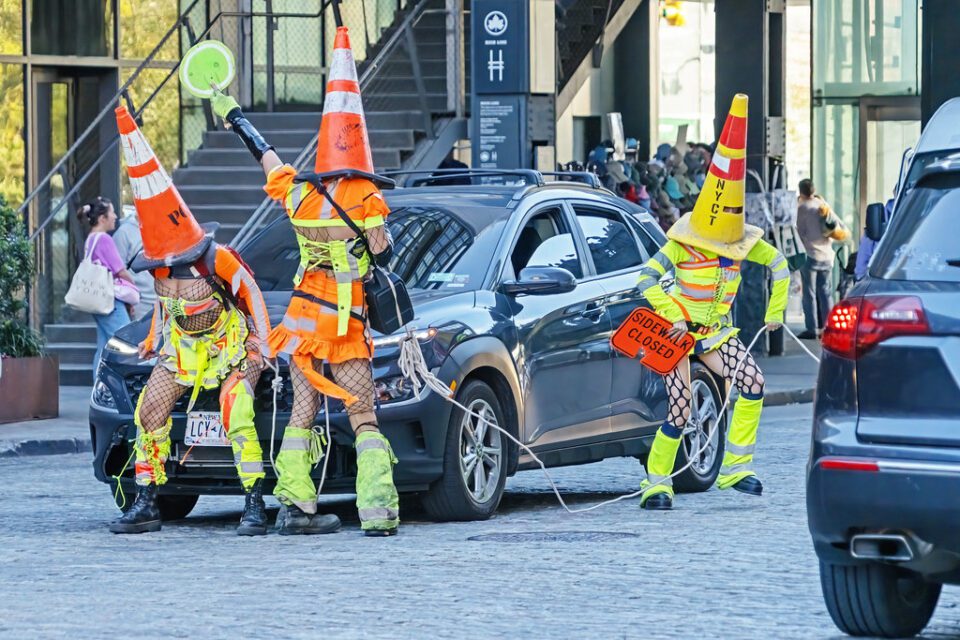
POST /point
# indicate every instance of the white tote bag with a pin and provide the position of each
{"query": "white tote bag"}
(91, 289)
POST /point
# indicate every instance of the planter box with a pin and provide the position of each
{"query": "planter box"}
(29, 389)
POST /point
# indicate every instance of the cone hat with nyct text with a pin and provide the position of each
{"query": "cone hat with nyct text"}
(171, 235)
(717, 221)
(343, 143)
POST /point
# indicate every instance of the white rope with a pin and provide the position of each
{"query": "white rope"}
(800, 342)
(414, 368)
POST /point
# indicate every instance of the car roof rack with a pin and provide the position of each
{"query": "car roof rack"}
(437, 177)
(586, 177)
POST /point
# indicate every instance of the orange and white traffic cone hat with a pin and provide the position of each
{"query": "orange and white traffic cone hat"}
(343, 144)
(171, 235)
(717, 221)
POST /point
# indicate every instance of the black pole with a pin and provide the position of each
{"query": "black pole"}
(337, 18)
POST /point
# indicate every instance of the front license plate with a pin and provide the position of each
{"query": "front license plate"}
(204, 429)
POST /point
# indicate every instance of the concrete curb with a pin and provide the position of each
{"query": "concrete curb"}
(790, 396)
(15, 449)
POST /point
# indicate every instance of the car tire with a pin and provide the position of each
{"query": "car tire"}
(464, 493)
(877, 599)
(707, 401)
(171, 507)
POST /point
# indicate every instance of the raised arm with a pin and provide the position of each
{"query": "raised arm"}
(228, 109)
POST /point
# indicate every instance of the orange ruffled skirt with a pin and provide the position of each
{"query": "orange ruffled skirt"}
(309, 331)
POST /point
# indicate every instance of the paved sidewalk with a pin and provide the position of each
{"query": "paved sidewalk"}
(790, 379)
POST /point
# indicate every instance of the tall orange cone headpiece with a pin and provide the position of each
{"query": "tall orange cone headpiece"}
(171, 235)
(717, 220)
(343, 143)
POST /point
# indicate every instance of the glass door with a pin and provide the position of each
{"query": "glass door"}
(889, 127)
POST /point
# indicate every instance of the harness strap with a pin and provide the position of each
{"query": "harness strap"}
(327, 304)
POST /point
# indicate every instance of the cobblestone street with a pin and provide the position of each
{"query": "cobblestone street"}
(722, 565)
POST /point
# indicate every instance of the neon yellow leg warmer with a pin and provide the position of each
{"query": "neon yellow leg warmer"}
(152, 449)
(663, 456)
(377, 499)
(236, 409)
(741, 442)
(300, 451)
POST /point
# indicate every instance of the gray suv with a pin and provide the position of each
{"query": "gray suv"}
(884, 470)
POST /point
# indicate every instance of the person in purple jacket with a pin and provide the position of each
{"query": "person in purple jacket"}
(102, 219)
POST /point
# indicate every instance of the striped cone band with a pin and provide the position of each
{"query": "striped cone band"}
(729, 159)
(166, 223)
(343, 141)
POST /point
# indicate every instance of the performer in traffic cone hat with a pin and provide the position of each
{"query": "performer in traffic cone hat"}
(326, 320)
(209, 330)
(705, 250)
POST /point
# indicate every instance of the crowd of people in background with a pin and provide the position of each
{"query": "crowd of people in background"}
(667, 184)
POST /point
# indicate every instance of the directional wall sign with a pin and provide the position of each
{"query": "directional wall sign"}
(500, 35)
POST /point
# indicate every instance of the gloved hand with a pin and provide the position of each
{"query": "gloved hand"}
(223, 104)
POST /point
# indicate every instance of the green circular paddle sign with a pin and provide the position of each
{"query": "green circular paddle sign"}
(207, 63)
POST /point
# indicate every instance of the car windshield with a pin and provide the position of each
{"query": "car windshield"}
(921, 243)
(434, 248)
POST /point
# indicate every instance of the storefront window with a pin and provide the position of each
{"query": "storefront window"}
(12, 155)
(143, 23)
(71, 27)
(11, 27)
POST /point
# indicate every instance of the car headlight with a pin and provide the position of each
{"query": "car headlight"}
(122, 347)
(424, 335)
(102, 397)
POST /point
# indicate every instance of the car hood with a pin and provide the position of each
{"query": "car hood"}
(430, 307)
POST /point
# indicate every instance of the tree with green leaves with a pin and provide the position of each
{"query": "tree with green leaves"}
(17, 339)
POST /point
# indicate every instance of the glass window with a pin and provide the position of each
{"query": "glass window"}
(11, 133)
(74, 27)
(863, 47)
(544, 243)
(557, 251)
(836, 145)
(11, 27)
(611, 244)
(922, 242)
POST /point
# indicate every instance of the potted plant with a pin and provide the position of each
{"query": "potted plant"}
(29, 381)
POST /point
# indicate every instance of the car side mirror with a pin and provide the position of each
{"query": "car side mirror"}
(876, 221)
(541, 281)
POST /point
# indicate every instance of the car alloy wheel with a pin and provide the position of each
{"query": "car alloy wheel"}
(702, 429)
(481, 451)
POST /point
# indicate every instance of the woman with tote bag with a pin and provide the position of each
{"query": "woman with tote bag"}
(101, 249)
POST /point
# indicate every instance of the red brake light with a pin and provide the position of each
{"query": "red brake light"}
(841, 464)
(857, 325)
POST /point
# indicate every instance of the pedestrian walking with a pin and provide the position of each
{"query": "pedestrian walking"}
(100, 247)
(130, 244)
(818, 226)
(705, 251)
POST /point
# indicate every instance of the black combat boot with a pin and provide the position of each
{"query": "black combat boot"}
(143, 516)
(293, 521)
(750, 485)
(253, 522)
(658, 502)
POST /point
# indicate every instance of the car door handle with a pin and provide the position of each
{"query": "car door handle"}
(593, 310)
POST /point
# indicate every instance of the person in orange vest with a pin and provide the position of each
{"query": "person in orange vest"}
(209, 330)
(326, 321)
(705, 250)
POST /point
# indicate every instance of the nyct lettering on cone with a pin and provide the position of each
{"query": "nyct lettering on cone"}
(171, 235)
(717, 220)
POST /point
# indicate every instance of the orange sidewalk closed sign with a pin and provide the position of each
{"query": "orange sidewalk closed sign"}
(646, 332)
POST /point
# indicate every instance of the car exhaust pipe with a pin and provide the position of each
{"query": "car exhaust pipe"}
(888, 547)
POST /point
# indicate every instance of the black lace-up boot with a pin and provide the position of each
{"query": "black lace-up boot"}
(143, 516)
(253, 522)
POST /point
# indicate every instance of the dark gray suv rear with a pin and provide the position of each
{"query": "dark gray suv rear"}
(884, 471)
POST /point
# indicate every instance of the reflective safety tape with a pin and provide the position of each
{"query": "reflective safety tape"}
(741, 449)
(697, 292)
(781, 274)
(250, 467)
(663, 481)
(136, 150)
(378, 513)
(646, 283)
(778, 263)
(295, 443)
(343, 102)
(734, 469)
(150, 185)
(343, 66)
(372, 443)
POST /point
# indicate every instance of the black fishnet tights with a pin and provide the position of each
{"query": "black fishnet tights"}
(158, 398)
(356, 376)
(191, 291)
(678, 395)
(749, 378)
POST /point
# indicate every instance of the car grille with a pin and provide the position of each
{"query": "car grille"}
(208, 400)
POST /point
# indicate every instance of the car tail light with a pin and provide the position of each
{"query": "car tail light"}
(856, 325)
(843, 464)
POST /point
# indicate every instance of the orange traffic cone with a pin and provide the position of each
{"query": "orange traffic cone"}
(343, 143)
(171, 235)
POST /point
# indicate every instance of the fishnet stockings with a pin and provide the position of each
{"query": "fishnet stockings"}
(159, 396)
(749, 378)
(356, 376)
(191, 290)
(678, 395)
